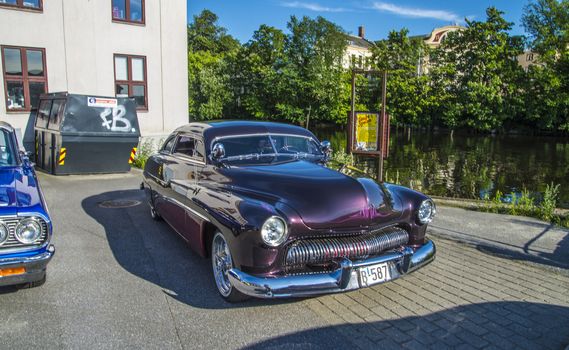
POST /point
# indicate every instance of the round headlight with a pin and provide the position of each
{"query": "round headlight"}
(28, 231)
(426, 212)
(4, 233)
(273, 231)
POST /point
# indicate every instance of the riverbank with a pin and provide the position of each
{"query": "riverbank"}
(561, 216)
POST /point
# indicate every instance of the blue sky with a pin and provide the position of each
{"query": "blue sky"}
(243, 17)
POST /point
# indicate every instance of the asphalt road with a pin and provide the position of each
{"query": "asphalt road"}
(121, 280)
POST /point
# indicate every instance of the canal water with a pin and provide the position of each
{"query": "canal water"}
(470, 166)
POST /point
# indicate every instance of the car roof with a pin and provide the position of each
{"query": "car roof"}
(7, 126)
(213, 129)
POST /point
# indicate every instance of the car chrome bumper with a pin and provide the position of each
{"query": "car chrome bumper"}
(35, 267)
(343, 279)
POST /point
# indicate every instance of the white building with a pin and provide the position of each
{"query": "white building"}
(95, 47)
(358, 52)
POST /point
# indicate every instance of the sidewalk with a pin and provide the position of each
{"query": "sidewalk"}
(516, 237)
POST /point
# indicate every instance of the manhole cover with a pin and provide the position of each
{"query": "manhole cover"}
(121, 203)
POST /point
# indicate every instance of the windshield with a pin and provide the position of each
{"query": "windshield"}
(269, 148)
(7, 151)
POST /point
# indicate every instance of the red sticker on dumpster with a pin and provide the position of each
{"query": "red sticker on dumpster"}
(101, 102)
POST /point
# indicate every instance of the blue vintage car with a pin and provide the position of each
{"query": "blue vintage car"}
(25, 226)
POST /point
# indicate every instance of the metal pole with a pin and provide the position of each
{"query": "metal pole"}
(352, 115)
(383, 126)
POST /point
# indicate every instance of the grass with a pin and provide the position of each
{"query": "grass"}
(543, 208)
(144, 151)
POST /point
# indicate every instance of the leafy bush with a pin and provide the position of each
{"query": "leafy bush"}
(145, 149)
(549, 201)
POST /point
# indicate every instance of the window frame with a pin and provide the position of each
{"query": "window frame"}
(20, 6)
(129, 82)
(25, 79)
(164, 150)
(127, 19)
(197, 140)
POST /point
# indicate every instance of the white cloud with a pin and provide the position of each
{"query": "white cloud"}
(313, 6)
(416, 12)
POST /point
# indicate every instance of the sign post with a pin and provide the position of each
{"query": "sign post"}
(368, 132)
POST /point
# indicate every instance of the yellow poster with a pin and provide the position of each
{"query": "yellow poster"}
(366, 131)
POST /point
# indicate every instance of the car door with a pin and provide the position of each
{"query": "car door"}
(189, 152)
(159, 168)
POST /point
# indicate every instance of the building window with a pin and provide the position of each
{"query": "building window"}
(130, 79)
(131, 11)
(35, 5)
(25, 77)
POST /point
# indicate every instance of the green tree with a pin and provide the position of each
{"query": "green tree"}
(211, 94)
(478, 70)
(315, 86)
(257, 73)
(409, 94)
(204, 34)
(547, 89)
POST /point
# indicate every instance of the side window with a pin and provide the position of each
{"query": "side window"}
(189, 146)
(169, 144)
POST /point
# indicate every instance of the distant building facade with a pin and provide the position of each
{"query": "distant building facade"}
(433, 41)
(358, 52)
(527, 59)
(135, 48)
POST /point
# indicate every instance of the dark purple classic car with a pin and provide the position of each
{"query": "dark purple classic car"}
(259, 199)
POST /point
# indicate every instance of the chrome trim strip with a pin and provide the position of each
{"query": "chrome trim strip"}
(193, 211)
(342, 279)
(187, 158)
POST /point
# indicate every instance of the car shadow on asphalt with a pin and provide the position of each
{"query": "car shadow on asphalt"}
(153, 251)
(505, 324)
(556, 259)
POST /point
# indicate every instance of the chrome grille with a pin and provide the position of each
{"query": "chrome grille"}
(12, 242)
(322, 250)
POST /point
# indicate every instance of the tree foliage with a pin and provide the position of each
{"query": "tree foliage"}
(547, 23)
(472, 80)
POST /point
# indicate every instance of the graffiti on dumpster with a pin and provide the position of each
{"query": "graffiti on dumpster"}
(116, 122)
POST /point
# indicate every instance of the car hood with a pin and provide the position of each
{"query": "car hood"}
(324, 198)
(18, 188)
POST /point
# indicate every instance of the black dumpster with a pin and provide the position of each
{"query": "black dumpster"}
(80, 134)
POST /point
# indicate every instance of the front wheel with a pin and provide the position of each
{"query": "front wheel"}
(222, 262)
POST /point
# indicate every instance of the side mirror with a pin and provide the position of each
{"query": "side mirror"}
(25, 155)
(218, 151)
(326, 148)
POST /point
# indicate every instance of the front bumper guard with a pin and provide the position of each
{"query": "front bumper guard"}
(344, 278)
(35, 267)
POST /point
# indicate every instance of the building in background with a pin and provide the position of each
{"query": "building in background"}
(358, 51)
(433, 40)
(134, 48)
(527, 59)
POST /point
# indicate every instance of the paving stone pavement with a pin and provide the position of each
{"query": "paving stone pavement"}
(465, 299)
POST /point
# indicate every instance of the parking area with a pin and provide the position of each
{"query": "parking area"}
(121, 280)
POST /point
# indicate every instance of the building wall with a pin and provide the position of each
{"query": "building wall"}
(356, 52)
(80, 38)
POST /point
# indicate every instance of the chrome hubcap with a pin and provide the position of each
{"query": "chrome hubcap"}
(222, 263)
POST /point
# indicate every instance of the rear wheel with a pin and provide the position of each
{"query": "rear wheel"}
(222, 262)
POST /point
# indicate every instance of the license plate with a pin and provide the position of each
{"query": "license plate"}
(374, 274)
